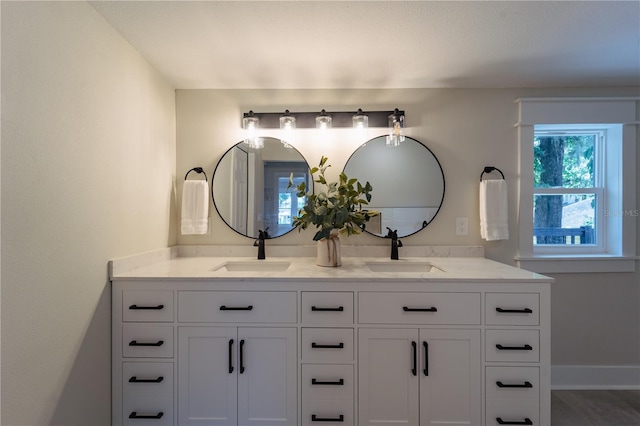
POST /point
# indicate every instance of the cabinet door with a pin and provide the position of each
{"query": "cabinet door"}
(207, 376)
(450, 377)
(388, 382)
(267, 376)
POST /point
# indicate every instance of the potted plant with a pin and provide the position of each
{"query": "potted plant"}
(336, 210)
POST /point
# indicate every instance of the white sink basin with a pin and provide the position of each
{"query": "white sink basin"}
(253, 266)
(400, 266)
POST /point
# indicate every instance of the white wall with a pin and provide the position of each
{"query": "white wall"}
(595, 317)
(88, 164)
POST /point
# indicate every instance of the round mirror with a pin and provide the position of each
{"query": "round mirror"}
(249, 187)
(407, 180)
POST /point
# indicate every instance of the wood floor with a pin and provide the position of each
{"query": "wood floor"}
(595, 408)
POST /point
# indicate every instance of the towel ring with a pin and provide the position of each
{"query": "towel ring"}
(489, 169)
(197, 170)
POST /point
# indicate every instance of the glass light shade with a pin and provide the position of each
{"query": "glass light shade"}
(250, 125)
(396, 129)
(360, 120)
(323, 121)
(287, 126)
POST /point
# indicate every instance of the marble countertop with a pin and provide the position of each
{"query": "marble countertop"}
(197, 264)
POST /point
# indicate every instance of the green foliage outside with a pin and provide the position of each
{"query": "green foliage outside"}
(577, 160)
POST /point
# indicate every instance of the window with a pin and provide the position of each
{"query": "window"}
(568, 189)
(577, 208)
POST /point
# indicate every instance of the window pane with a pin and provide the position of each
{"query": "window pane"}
(564, 160)
(564, 219)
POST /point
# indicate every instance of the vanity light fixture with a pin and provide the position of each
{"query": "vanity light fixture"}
(250, 124)
(396, 128)
(326, 119)
(360, 120)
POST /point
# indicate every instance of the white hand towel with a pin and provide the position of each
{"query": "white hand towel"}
(494, 214)
(195, 207)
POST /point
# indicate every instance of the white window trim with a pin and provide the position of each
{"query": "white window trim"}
(619, 253)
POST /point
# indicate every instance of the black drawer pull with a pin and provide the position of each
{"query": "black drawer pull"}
(514, 348)
(155, 308)
(425, 345)
(514, 385)
(338, 309)
(136, 343)
(236, 308)
(324, 382)
(526, 421)
(135, 415)
(514, 311)
(242, 356)
(414, 369)
(134, 379)
(230, 356)
(431, 309)
(315, 345)
(315, 418)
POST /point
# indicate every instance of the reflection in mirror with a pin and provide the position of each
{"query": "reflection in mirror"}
(407, 180)
(249, 187)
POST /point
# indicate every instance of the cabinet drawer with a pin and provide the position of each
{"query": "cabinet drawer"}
(327, 307)
(147, 379)
(327, 381)
(327, 412)
(513, 413)
(154, 341)
(513, 383)
(512, 309)
(512, 345)
(327, 344)
(148, 411)
(418, 308)
(237, 306)
(147, 306)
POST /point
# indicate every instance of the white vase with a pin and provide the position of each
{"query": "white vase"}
(329, 251)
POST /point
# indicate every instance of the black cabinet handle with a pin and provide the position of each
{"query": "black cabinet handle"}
(158, 307)
(315, 345)
(431, 309)
(526, 421)
(514, 348)
(324, 382)
(135, 415)
(236, 308)
(514, 311)
(315, 418)
(136, 343)
(425, 346)
(134, 379)
(414, 347)
(514, 385)
(317, 309)
(230, 356)
(241, 356)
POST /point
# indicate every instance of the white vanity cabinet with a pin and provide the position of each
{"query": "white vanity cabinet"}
(331, 351)
(237, 376)
(416, 375)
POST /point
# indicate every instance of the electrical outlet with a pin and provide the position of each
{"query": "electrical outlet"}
(462, 226)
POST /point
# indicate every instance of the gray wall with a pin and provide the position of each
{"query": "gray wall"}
(88, 162)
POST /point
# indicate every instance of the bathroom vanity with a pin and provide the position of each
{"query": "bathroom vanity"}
(228, 340)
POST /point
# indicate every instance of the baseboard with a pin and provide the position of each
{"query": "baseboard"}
(595, 377)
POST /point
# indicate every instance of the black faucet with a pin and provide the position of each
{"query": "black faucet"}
(262, 235)
(395, 243)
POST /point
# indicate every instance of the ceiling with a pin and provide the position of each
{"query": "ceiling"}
(383, 44)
